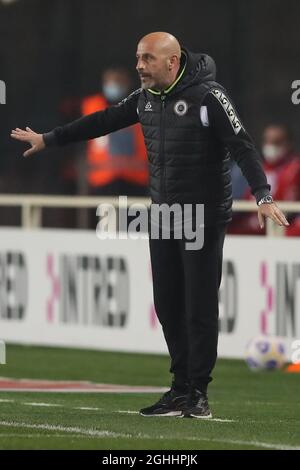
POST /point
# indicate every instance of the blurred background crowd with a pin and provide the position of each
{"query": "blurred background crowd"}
(62, 59)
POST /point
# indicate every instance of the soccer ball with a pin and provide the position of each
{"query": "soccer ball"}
(265, 353)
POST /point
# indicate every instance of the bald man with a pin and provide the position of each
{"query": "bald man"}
(189, 124)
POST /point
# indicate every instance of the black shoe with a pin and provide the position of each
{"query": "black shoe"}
(171, 403)
(197, 405)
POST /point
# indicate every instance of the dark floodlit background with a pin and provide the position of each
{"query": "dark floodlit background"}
(52, 53)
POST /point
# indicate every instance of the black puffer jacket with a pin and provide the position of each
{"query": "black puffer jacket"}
(187, 163)
(188, 160)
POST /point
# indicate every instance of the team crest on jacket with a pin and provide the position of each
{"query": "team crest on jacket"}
(181, 107)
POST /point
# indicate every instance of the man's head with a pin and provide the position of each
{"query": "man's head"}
(158, 60)
(115, 84)
(277, 143)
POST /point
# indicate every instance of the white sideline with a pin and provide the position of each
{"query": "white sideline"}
(66, 429)
(94, 433)
(39, 404)
(86, 408)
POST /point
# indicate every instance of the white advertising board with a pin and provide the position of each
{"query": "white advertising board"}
(68, 288)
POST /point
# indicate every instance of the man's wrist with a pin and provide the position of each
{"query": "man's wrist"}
(265, 200)
(49, 139)
(261, 193)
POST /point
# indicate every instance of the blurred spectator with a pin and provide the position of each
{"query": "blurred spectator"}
(116, 163)
(282, 168)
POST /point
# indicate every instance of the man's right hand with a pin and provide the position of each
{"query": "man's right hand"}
(35, 140)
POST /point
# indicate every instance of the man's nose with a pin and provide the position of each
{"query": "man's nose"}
(139, 66)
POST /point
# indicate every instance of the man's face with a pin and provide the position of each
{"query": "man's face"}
(152, 67)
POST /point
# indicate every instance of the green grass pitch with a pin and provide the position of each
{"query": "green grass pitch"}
(252, 410)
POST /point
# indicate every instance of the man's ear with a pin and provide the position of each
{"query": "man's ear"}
(173, 61)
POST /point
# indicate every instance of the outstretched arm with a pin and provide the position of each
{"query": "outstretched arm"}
(88, 127)
(229, 129)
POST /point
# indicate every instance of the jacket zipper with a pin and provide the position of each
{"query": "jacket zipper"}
(161, 145)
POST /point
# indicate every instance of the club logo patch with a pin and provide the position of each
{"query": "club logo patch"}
(181, 108)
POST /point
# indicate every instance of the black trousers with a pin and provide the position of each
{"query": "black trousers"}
(185, 290)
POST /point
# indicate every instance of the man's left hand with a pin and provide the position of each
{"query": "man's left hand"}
(272, 211)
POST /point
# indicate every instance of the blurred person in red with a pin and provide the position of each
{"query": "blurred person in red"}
(282, 168)
(116, 164)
